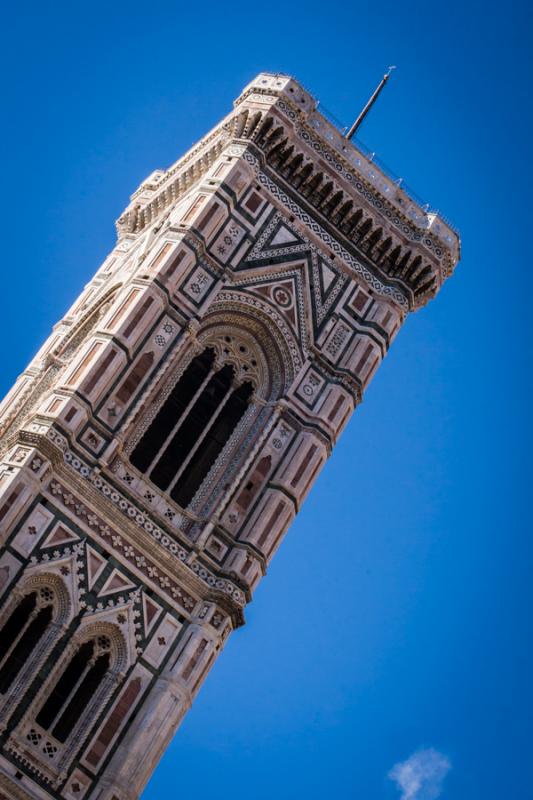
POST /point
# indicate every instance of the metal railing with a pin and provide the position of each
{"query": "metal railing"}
(374, 159)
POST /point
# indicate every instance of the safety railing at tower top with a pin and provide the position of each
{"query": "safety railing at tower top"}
(371, 156)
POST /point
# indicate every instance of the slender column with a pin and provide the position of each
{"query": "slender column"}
(20, 634)
(206, 430)
(182, 416)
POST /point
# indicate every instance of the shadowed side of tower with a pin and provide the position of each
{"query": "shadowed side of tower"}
(157, 448)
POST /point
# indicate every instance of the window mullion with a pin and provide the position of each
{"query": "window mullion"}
(180, 419)
(29, 620)
(201, 438)
(68, 698)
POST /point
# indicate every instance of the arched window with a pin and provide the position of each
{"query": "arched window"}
(22, 631)
(75, 687)
(192, 427)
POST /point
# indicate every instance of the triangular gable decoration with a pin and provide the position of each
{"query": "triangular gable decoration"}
(328, 282)
(116, 583)
(283, 236)
(151, 611)
(60, 535)
(327, 276)
(277, 239)
(283, 293)
(95, 566)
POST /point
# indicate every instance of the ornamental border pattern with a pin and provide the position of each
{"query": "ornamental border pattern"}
(229, 295)
(357, 267)
(358, 181)
(131, 511)
(306, 248)
(130, 553)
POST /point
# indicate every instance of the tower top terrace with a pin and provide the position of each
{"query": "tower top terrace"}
(366, 210)
(364, 162)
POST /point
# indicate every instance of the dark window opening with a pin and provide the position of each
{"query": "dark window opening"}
(64, 686)
(32, 623)
(16, 621)
(81, 697)
(180, 397)
(192, 428)
(74, 689)
(210, 448)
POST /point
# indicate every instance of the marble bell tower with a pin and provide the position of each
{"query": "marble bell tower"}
(159, 445)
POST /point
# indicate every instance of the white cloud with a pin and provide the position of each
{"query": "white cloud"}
(422, 775)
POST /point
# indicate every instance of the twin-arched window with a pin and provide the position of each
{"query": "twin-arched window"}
(69, 694)
(75, 687)
(192, 427)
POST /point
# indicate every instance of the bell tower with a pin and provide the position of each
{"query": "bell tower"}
(158, 446)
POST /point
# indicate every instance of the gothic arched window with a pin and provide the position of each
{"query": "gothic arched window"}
(22, 631)
(192, 427)
(75, 687)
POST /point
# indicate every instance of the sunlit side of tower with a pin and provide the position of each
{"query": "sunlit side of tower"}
(160, 443)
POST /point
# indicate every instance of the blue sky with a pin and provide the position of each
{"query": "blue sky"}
(396, 616)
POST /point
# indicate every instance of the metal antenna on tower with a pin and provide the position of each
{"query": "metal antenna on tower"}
(369, 105)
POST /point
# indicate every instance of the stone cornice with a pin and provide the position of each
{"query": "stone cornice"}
(147, 205)
(299, 107)
(413, 265)
(311, 156)
(344, 156)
